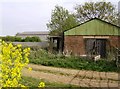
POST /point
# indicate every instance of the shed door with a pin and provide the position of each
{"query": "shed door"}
(101, 47)
(96, 47)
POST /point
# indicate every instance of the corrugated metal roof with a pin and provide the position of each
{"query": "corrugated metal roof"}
(34, 33)
(94, 27)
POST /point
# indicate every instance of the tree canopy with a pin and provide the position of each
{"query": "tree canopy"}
(103, 10)
(62, 19)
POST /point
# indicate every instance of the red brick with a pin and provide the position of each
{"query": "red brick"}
(77, 46)
(74, 44)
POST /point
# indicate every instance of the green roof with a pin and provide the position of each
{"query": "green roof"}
(94, 27)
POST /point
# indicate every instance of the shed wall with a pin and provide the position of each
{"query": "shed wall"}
(115, 41)
(76, 44)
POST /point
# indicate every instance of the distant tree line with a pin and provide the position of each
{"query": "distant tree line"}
(19, 39)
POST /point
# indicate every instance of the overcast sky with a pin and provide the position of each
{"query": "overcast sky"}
(31, 15)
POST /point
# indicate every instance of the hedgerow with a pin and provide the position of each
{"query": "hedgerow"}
(19, 39)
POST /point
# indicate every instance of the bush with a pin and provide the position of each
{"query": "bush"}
(11, 38)
(45, 58)
(27, 39)
(8, 38)
(35, 39)
(18, 39)
(32, 39)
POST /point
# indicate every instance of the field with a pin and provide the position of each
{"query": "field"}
(65, 77)
(57, 70)
(83, 72)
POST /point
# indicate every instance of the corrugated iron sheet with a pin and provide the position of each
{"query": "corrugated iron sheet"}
(94, 27)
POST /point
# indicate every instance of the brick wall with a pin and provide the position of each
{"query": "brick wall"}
(115, 41)
(74, 44)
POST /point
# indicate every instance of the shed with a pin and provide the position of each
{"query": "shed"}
(93, 37)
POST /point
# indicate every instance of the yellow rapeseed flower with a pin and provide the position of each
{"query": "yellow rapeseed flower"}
(28, 48)
(30, 69)
(8, 82)
(10, 45)
(12, 59)
(19, 45)
(41, 84)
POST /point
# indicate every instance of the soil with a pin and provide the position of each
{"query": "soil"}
(81, 78)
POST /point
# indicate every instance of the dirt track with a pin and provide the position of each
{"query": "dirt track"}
(71, 76)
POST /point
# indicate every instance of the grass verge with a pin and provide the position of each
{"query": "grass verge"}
(32, 82)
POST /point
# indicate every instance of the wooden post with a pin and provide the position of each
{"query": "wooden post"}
(60, 45)
(51, 44)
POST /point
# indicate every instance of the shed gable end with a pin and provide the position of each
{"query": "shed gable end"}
(94, 27)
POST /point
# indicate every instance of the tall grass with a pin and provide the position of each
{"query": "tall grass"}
(45, 58)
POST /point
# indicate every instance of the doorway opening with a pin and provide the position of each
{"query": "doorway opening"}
(95, 47)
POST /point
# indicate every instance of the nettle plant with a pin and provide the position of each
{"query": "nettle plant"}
(12, 61)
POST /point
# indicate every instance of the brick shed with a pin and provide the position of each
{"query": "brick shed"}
(95, 37)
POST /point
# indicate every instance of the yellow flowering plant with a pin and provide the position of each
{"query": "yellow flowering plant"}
(12, 61)
(41, 84)
(30, 69)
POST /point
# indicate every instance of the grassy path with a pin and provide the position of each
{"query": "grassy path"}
(71, 76)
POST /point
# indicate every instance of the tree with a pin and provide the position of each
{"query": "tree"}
(61, 20)
(102, 10)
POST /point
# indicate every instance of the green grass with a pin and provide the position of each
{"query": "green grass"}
(44, 58)
(32, 82)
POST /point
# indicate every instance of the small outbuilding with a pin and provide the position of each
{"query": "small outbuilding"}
(94, 37)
